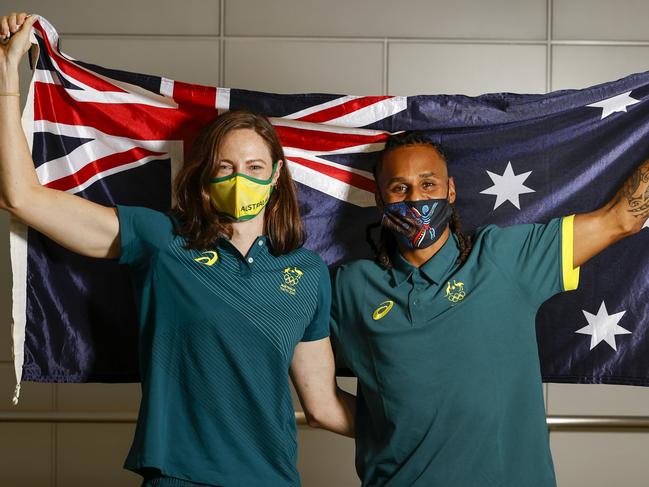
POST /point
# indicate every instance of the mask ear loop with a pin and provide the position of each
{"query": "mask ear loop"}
(272, 175)
(274, 185)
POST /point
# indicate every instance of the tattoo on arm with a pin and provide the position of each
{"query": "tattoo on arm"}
(635, 192)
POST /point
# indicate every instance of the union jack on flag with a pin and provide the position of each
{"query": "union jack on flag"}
(118, 137)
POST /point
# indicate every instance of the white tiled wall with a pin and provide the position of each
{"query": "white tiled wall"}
(601, 459)
(470, 69)
(27, 454)
(92, 454)
(600, 20)
(470, 19)
(579, 66)
(339, 46)
(188, 18)
(190, 59)
(297, 66)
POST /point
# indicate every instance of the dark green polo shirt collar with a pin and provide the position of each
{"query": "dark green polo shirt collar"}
(260, 243)
(435, 269)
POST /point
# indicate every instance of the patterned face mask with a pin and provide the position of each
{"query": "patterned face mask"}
(240, 196)
(417, 224)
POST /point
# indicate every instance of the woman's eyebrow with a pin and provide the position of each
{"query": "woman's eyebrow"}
(248, 161)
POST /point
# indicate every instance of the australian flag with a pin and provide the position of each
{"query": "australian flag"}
(118, 137)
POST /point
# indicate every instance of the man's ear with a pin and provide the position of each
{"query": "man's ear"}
(278, 169)
(451, 190)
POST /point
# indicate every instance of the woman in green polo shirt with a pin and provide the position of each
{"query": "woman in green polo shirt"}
(228, 299)
(440, 329)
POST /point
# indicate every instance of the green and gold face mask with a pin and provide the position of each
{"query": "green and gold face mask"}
(241, 196)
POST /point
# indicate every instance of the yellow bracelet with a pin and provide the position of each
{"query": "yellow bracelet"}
(9, 94)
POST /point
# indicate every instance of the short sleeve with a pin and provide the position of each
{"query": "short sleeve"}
(142, 232)
(319, 326)
(342, 365)
(539, 257)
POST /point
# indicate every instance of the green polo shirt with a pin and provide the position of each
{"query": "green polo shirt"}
(217, 332)
(449, 383)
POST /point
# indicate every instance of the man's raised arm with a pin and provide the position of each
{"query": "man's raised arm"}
(624, 215)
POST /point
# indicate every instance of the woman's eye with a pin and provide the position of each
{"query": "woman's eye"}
(223, 170)
(256, 167)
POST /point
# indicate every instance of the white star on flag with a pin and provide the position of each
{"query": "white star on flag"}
(508, 187)
(615, 104)
(603, 327)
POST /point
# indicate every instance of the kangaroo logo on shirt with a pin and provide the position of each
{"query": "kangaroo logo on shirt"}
(382, 310)
(292, 276)
(455, 292)
(208, 260)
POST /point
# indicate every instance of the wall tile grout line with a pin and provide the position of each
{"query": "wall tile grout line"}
(498, 40)
(386, 47)
(369, 40)
(548, 48)
(136, 36)
(548, 88)
(221, 80)
(54, 456)
(54, 436)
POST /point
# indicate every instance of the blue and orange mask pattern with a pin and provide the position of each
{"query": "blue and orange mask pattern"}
(417, 224)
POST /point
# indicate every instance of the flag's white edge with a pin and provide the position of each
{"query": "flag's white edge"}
(18, 251)
(18, 245)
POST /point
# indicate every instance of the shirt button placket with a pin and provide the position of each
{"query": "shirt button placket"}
(416, 302)
(411, 299)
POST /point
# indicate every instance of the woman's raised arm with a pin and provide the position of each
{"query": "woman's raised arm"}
(77, 224)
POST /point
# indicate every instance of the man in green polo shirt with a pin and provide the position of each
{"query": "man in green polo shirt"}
(440, 329)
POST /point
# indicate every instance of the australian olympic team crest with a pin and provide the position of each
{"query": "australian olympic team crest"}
(292, 276)
(455, 292)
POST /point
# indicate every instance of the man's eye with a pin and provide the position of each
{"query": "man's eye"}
(399, 189)
(428, 185)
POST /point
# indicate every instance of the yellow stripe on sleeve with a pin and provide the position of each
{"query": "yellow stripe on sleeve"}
(570, 274)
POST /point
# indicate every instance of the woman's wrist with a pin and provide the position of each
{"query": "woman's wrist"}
(9, 82)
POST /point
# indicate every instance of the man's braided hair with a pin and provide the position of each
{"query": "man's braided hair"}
(387, 242)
